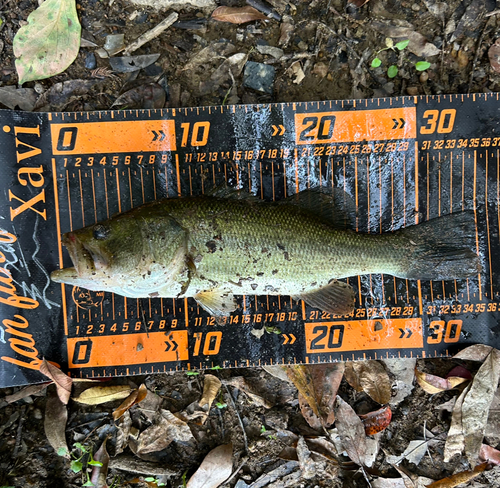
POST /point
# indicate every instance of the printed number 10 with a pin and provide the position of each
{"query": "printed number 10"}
(199, 133)
(210, 341)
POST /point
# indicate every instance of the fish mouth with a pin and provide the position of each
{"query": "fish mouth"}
(86, 261)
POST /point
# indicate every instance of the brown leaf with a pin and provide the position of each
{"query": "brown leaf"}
(455, 439)
(215, 468)
(63, 381)
(433, 384)
(99, 473)
(457, 479)
(418, 45)
(165, 429)
(318, 384)
(250, 390)
(103, 394)
(494, 56)
(211, 387)
(25, 392)
(237, 15)
(489, 454)
(477, 404)
(56, 416)
(477, 352)
(376, 421)
(135, 397)
(370, 377)
(351, 431)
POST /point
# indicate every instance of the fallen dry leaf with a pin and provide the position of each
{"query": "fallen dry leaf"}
(455, 439)
(494, 56)
(103, 394)
(318, 384)
(418, 45)
(49, 42)
(351, 431)
(99, 473)
(489, 454)
(372, 378)
(26, 391)
(56, 416)
(459, 478)
(237, 15)
(250, 389)
(477, 352)
(376, 421)
(165, 429)
(477, 404)
(63, 381)
(135, 397)
(433, 384)
(414, 452)
(215, 468)
(211, 387)
(358, 3)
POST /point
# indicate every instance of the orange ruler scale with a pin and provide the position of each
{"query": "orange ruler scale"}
(401, 160)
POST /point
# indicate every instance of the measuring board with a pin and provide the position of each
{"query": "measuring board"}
(401, 160)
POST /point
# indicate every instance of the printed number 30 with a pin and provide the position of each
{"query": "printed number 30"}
(444, 120)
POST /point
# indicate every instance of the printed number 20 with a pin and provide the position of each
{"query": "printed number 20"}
(442, 119)
(324, 130)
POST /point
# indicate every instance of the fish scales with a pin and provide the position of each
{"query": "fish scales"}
(212, 248)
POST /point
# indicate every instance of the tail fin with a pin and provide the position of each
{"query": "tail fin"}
(441, 248)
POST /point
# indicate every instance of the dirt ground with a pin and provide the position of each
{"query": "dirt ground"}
(322, 50)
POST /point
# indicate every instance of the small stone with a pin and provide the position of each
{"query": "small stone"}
(415, 7)
(90, 61)
(424, 76)
(302, 46)
(39, 88)
(259, 77)
(275, 52)
(412, 90)
(37, 414)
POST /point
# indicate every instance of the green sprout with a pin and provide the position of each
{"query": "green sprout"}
(422, 65)
(151, 479)
(221, 405)
(192, 373)
(215, 367)
(76, 464)
(392, 71)
(263, 430)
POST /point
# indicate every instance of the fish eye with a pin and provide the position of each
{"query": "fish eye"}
(100, 232)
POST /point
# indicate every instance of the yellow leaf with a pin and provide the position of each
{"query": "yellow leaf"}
(103, 394)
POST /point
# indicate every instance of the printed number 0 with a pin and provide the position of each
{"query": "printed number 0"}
(444, 120)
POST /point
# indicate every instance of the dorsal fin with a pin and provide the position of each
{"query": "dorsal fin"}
(333, 205)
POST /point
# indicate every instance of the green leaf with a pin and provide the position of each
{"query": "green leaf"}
(216, 367)
(422, 65)
(50, 41)
(150, 479)
(376, 62)
(88, 483)
(402, 44)
(192, 373)
(392, 71)
(76, 466)
(94, 463)
(221, 405)
(80, 446)
(62, 451)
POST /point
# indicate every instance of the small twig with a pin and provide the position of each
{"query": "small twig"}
(476, 54)
(245, 440)
(19, 434)
(236, 471)
(151, 34)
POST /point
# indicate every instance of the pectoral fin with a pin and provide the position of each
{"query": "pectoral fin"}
(216, 302)
(337, 298)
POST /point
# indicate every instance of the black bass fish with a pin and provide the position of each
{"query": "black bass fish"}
(212, 248)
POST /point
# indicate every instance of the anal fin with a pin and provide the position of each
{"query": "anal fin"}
(217, 302)
(337, 298)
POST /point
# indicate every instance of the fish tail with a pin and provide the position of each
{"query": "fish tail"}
(441, 248)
